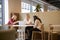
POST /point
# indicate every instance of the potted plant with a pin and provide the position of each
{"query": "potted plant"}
(37, 8)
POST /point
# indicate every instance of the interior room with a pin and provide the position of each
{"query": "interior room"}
(29, 20)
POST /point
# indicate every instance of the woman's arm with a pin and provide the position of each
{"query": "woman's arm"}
(36, 23)
(15, 22)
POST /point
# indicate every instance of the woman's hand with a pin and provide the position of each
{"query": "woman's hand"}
(15, 22)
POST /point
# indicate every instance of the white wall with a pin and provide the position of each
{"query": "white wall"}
(52, 17)
(14, 6)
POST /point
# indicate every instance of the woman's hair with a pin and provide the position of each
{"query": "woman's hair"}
(17, 14)
(28, 15)
(35, 17)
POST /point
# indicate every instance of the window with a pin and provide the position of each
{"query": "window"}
(0, 12)
(6, 11)
(27, 8)
(33, 9)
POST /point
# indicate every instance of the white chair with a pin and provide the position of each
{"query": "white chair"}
(54, 31)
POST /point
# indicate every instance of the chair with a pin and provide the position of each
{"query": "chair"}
(7, 34)
(45, 35)
(54, 32)
(38, 35)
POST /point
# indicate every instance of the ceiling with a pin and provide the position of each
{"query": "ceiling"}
(55, 3)
(46, 2)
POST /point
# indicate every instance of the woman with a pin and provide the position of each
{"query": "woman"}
(38, 23)
(28, 29)
(27, 20)
(12, 20)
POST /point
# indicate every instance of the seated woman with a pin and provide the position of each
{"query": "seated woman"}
(13, 20)
(38, 24)
(27, 19)
(28, 29)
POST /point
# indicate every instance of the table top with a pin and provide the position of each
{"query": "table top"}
(22, 25)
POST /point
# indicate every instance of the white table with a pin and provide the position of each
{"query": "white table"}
(22, 31)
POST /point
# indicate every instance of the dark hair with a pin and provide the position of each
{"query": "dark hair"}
(35, 17)
(17, 14)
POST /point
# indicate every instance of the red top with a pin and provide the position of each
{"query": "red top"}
(11, 21)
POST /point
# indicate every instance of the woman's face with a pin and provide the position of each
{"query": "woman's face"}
(28, 17)
(14, 17)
